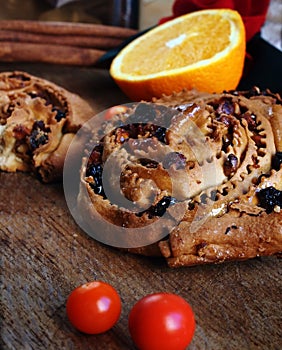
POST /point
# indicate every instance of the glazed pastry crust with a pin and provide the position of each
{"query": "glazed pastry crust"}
(221, 216)
(245, 231)
(38, 121)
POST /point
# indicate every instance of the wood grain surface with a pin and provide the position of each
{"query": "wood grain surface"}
(44, 255)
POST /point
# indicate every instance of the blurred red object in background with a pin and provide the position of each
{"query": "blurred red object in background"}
(253, 12)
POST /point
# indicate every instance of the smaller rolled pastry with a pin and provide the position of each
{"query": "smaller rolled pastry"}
(38, 120)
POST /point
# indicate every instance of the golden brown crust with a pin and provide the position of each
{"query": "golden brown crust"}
(245, 231)
(38, 121)
(217, 157)
(230, 237)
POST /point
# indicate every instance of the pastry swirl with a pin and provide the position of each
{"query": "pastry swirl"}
(207, 165)
(38, 120)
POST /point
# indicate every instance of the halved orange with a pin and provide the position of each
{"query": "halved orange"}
(202, 50)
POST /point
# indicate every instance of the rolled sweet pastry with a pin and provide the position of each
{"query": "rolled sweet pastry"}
(194, 178)
(38, 120)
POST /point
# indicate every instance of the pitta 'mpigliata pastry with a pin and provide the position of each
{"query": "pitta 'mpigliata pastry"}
(38, 120)
(207, 166)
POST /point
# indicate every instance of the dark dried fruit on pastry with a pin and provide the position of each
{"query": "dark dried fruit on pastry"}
(207, 167)
(38, 120)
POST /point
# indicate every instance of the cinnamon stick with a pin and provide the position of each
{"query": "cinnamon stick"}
(48, 53)
(96, 42)
(66, 28)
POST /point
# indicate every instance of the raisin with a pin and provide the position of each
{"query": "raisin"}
(204, 198)
(175, 159)
(39, 124)
(39, 135)
(160, 208)
(37, 139)
(96, 155)
(269, 197)
(277, 161)
(226, 107)
(230, 165)
(250, 119)
(59, 114)
(213, 195)
(160, 134)
(96, 171)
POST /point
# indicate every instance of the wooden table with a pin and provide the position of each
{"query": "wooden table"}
(44, 255)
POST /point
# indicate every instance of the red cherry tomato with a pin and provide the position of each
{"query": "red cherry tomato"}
(93, 307)
(161, 321)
